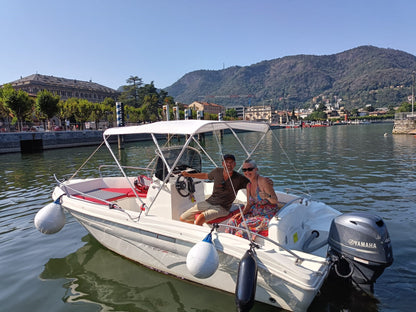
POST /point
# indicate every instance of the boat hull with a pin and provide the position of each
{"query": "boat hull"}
(163, 245)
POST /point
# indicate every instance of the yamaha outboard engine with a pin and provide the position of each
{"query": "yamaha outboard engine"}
(360, 248)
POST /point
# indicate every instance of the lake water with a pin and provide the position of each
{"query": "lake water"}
(352, 168)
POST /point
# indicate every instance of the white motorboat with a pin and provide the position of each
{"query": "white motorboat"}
(138, 218)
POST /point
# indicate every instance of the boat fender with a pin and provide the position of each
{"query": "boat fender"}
(50, 219)
(245, 290)
(202, 259)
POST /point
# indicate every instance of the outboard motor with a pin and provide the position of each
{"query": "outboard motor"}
(360, 248)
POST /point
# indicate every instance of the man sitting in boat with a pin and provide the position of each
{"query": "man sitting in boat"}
(227, 183)
(261, 204)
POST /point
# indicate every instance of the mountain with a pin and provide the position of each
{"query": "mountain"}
(360, 76)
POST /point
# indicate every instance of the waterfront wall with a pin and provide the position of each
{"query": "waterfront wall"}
(30, 142)
(404, 123)
(38, 141)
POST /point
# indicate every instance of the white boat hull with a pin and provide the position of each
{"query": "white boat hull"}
(138, 218)
(163, 245)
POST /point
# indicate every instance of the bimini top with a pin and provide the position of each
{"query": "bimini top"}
(189, 127)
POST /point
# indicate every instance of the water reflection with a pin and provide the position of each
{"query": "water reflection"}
(94, 275)
(100, 277)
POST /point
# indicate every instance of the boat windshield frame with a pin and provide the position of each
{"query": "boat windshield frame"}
(189, 128)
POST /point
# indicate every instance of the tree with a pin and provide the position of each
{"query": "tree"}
(67, 109)
(133, 114)
(150, 108)
(130, 93)
(317, 115)
(18, 103)
(47, 104)
(354, 112)
(3, 110)
(370, 108)
(83, 111)
(405, 107)
(231, 112)
(294, 117)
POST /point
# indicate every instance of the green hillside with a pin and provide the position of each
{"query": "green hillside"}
(360, 76)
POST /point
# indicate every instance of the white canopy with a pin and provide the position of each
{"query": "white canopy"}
(188, 127)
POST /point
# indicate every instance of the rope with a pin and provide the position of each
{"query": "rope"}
(76, 172)
(291, 163)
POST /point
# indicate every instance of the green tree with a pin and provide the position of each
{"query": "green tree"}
(80, 110)
(98, 113)
(67, 109)
(83, 112)
(18, 103)
(405, 107)
(150, 108)
(47, 104)
(354, 112)
(109, 105)
(3, 111)
(317, 115)
(133, 114)
(370, 108)
(231, 112)
(130, 93)
(294, 117)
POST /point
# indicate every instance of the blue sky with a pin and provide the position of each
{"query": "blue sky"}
(162, 40)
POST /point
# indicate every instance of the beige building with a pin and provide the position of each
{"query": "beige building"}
(65, 88)
(259, 113)
(207, 108)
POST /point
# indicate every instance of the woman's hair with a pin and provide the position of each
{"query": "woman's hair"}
(251, 162)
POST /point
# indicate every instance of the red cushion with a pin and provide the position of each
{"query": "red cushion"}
(127, 192)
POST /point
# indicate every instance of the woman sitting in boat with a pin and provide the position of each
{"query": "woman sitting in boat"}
(261, 203)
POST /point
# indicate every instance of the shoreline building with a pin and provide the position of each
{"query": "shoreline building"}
(207, 108)
(65, 88)
(259, 113)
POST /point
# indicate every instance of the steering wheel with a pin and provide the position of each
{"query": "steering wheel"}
(185, 186)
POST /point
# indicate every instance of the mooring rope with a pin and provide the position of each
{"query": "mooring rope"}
(76, 172)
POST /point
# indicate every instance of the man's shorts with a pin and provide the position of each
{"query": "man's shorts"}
(210, 211)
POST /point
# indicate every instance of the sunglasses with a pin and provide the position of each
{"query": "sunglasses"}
(247, 169)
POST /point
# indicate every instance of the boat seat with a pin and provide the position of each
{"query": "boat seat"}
(99, 196)
(222, 219)
(234, 209)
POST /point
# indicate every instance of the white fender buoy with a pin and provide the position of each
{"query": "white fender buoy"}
(50, 219)
(202, 260)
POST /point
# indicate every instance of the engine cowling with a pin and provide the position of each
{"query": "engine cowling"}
(360, 248)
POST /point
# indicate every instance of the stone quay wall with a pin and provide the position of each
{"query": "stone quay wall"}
(29, 142)
(404, 123)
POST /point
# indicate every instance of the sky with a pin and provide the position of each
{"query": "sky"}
(162, 40)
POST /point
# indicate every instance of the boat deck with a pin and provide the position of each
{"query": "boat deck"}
(104, 195)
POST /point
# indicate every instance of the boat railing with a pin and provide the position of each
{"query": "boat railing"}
(67, 190)
(303, 198)
(298, 258)
(148, 170)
